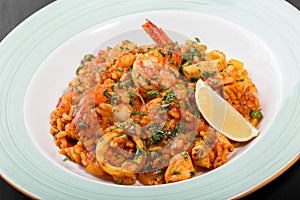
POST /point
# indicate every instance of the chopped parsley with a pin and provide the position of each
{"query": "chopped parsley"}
(138, 113)
(206, 75)
(148, 81)
(171, 96)
(185, 156)
(88, 57)
(192, 173)
(175, 172)
(66, 158)
(152, 94)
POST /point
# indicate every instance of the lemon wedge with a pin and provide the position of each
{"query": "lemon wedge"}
(222, 116)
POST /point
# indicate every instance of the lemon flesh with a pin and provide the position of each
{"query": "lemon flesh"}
(221, 115)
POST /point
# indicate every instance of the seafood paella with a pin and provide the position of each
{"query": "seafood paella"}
(130, 112)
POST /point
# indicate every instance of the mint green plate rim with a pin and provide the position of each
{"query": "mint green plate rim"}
(25, 48)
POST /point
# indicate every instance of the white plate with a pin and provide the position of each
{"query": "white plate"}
(41, 56)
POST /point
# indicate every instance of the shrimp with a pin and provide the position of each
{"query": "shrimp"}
(128, 100)
(157, 34)
(157, 69)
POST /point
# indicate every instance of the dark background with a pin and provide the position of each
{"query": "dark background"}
(13, 12)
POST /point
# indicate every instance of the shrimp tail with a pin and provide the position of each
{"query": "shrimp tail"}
(157, 34)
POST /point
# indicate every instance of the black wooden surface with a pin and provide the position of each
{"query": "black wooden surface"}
(13, 12)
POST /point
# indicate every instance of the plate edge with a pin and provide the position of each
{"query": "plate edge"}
(269, 179)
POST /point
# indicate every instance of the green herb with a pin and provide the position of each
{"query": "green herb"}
(171, 96)
(131, 102)
(148, 81)
(198, 149)
(121, 125)
(185, 156)
(81, 66)
(157, 138)
(178, 128)
(106, 93)
(170, 54)
(140, 100)
(240, 80)
(127, 83)
(184, 62)
(139, 152)
(163, 87)
(256, 114)
(136, 121)
(88, 57)
(138, 113)
(92, 104)
(66, 158)
(215, 82)
(192, 173)
(172, 71)
(194, 79)
(131, 94)
(162, 53)
(156, 154)
(119, 85)
(113, 88)
(206, 75)
(119, 182)
(175, 172)
(120, 70)
(197, 40)
(81, 125)
(196, 139)
(191, 90)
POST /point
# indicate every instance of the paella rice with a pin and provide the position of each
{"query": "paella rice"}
(130, 112)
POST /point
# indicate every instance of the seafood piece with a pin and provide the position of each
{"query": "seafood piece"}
(152, 178)
(152, 71)
(240, 91)
(218, 58)
(159, 68)
(167, 129)
(180, 168)
(127, 100)
(119, 155)
(157, 34)
(86, 121)
(212, 150)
